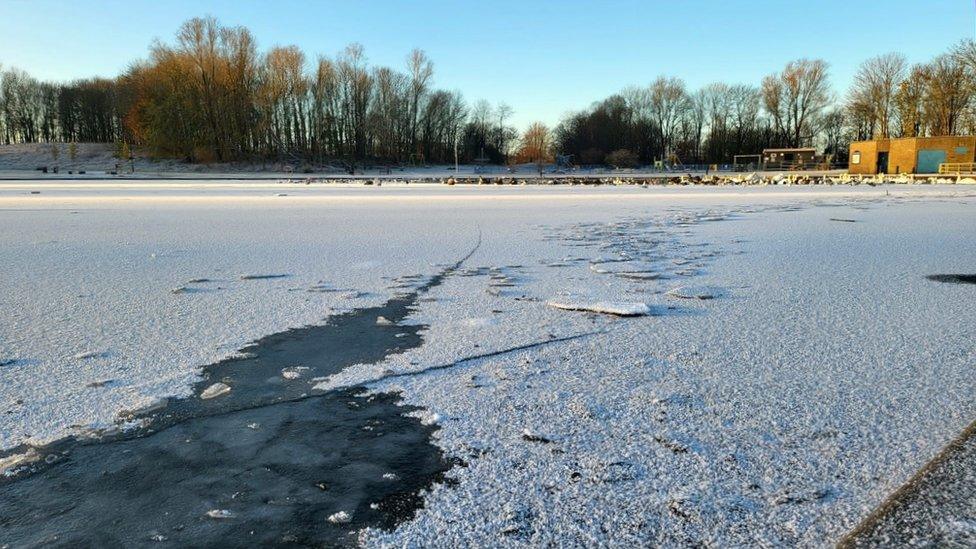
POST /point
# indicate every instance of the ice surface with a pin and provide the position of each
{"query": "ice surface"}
(780, 417)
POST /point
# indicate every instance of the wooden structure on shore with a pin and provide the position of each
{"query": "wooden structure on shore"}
(787, 159)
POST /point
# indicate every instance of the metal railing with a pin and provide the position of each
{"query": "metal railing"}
(957, 168)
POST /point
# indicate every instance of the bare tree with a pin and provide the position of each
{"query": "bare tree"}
(198, 40)
(421, 69)
(502, 111)
(390, 111)
(284, 97)
(241, 78)
(643, 130)
(638, 100)
(796, 97)
(834, 141)
(965, 53)
(744, 103)
(910, 102)
(949, 93)
(668, 103)
(327, 137)
(536, 144)
(355, 89)
(872, 95)
(4, 128)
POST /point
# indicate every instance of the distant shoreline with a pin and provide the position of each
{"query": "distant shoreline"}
(439, 178)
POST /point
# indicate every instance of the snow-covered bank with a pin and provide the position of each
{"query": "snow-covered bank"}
(821, 372)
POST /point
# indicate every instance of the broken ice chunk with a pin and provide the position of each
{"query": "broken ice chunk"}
(341, 517)
(616, 267)
(262, 276)
(293, 372)
(531, 436)
(215, 390)
(220, 514)
(618, 308)
(642, 276)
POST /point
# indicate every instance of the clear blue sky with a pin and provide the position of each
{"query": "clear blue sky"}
(544, 58)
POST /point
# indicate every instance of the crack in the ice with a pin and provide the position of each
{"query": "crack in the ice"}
(412, 373)
(884, 520)
(517, 348)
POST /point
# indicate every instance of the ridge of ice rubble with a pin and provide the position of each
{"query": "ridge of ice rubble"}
(616, 308)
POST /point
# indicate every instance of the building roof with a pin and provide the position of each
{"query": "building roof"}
(923, 139)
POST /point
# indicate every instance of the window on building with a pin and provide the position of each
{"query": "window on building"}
(856, 158)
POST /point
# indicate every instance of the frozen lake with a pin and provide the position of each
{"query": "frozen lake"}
(785, 363)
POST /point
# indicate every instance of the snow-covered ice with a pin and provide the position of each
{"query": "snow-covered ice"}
(781, 414)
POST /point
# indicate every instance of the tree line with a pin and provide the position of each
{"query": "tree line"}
(794, 107)
(210, 95)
